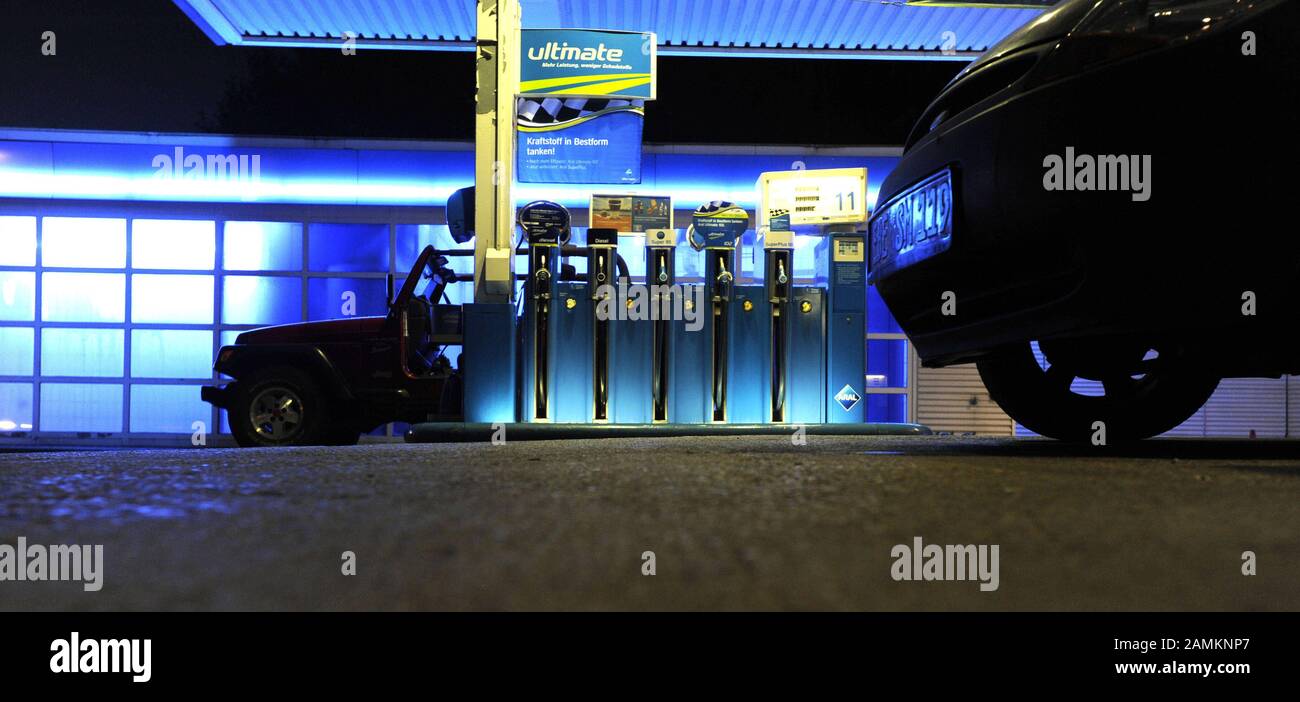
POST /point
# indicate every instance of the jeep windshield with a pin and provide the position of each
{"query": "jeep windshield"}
(419, 280)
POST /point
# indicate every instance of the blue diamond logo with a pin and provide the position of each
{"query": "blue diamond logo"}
(848, 398)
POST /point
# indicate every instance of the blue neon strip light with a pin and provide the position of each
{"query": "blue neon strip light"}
(212, 171)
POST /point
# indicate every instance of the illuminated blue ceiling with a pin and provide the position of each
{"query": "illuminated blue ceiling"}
(800, 28)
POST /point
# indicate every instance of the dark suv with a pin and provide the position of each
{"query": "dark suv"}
(1095, 213)
(328, 382)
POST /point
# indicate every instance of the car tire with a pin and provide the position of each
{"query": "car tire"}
(278, 407)
(1134, 406)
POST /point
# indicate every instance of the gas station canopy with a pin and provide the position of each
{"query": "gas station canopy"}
(751, 28)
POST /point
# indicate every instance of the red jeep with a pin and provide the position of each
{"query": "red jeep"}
(325, 383)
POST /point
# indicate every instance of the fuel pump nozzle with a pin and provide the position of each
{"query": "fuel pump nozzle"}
(722, 281)
(542, 276)
(661, 248)
(778, 250)
(602, 251)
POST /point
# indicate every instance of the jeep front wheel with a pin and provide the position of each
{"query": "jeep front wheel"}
(277, 407)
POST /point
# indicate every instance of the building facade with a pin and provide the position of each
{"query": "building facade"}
(128, 260)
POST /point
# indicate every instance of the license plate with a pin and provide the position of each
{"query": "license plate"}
(913, 226)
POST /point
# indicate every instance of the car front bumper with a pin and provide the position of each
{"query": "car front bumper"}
(216, 396)
(1004, 276)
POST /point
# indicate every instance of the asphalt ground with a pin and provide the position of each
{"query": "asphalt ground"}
(734, 523)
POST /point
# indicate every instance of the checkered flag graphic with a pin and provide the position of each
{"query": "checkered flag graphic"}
(539, 112)
(716, 206)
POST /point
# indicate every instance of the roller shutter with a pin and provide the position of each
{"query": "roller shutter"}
(1293, 405)
(953, 399)
(1241, 405)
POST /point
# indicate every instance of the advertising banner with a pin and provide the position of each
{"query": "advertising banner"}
(631, 213)
(579, 140)
(593, 63)
(717, 224)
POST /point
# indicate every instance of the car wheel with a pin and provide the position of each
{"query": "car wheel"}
(1144, 389)
(278, 407)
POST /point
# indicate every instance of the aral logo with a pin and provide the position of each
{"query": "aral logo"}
(848, 398)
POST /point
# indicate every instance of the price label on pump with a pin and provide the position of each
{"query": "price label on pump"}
(825, 196)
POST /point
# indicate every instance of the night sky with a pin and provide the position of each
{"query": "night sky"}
(141, 65)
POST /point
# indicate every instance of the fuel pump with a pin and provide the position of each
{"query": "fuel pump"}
(661, 247)
(846, 361)
(547, 227)
(602, 248)
(778, 259)
(716, 228)
(824, 354)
